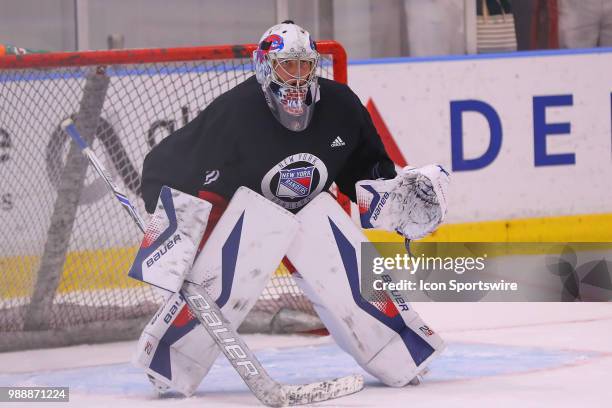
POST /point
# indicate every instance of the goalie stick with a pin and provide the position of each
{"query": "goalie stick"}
(265, 388)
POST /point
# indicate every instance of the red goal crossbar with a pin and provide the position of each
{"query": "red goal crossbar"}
(133, 56)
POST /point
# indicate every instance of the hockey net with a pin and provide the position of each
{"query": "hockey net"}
(66, 246)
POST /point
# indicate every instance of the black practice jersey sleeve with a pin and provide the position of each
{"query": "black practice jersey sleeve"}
(369, 161)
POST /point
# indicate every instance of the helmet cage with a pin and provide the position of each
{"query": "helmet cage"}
(293, 70)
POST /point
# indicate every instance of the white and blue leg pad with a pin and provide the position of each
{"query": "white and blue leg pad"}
(235, 264)
(171, 240)
(393, 345)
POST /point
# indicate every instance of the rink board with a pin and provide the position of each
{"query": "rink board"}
(548, 112)
(511, 198)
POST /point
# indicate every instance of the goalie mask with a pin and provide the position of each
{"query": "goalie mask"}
(286, 61)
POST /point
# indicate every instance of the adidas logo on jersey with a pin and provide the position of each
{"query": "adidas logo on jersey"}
(338, 142)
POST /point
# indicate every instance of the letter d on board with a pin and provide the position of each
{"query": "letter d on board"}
(459, 162)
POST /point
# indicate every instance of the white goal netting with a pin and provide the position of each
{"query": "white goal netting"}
(66, 246)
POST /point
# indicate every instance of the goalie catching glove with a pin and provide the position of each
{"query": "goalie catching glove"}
(412, 204)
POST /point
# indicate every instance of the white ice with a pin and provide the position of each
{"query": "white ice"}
(498, 355)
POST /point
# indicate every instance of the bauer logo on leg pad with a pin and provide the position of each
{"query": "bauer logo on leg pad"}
(171, 240)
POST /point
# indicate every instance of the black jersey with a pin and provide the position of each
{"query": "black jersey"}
(236, 141)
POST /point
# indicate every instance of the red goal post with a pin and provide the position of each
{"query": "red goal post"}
(65, 249)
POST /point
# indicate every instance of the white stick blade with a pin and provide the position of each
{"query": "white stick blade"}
(323, 390)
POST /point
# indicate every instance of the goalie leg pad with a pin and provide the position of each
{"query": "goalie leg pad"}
(393, 345)
(245, 247)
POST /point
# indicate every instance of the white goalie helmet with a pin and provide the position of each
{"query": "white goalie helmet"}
(286, 63)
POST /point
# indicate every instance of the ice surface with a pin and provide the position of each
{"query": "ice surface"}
(499, 354)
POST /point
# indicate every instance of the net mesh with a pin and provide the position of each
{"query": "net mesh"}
(71, 284)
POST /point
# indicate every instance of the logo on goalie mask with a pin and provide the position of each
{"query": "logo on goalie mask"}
(276, 42)
(294, 181)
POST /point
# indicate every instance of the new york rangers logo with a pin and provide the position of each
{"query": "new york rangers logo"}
(295, 180)
(295, 183)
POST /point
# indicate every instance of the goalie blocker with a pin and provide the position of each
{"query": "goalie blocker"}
(171, 240)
